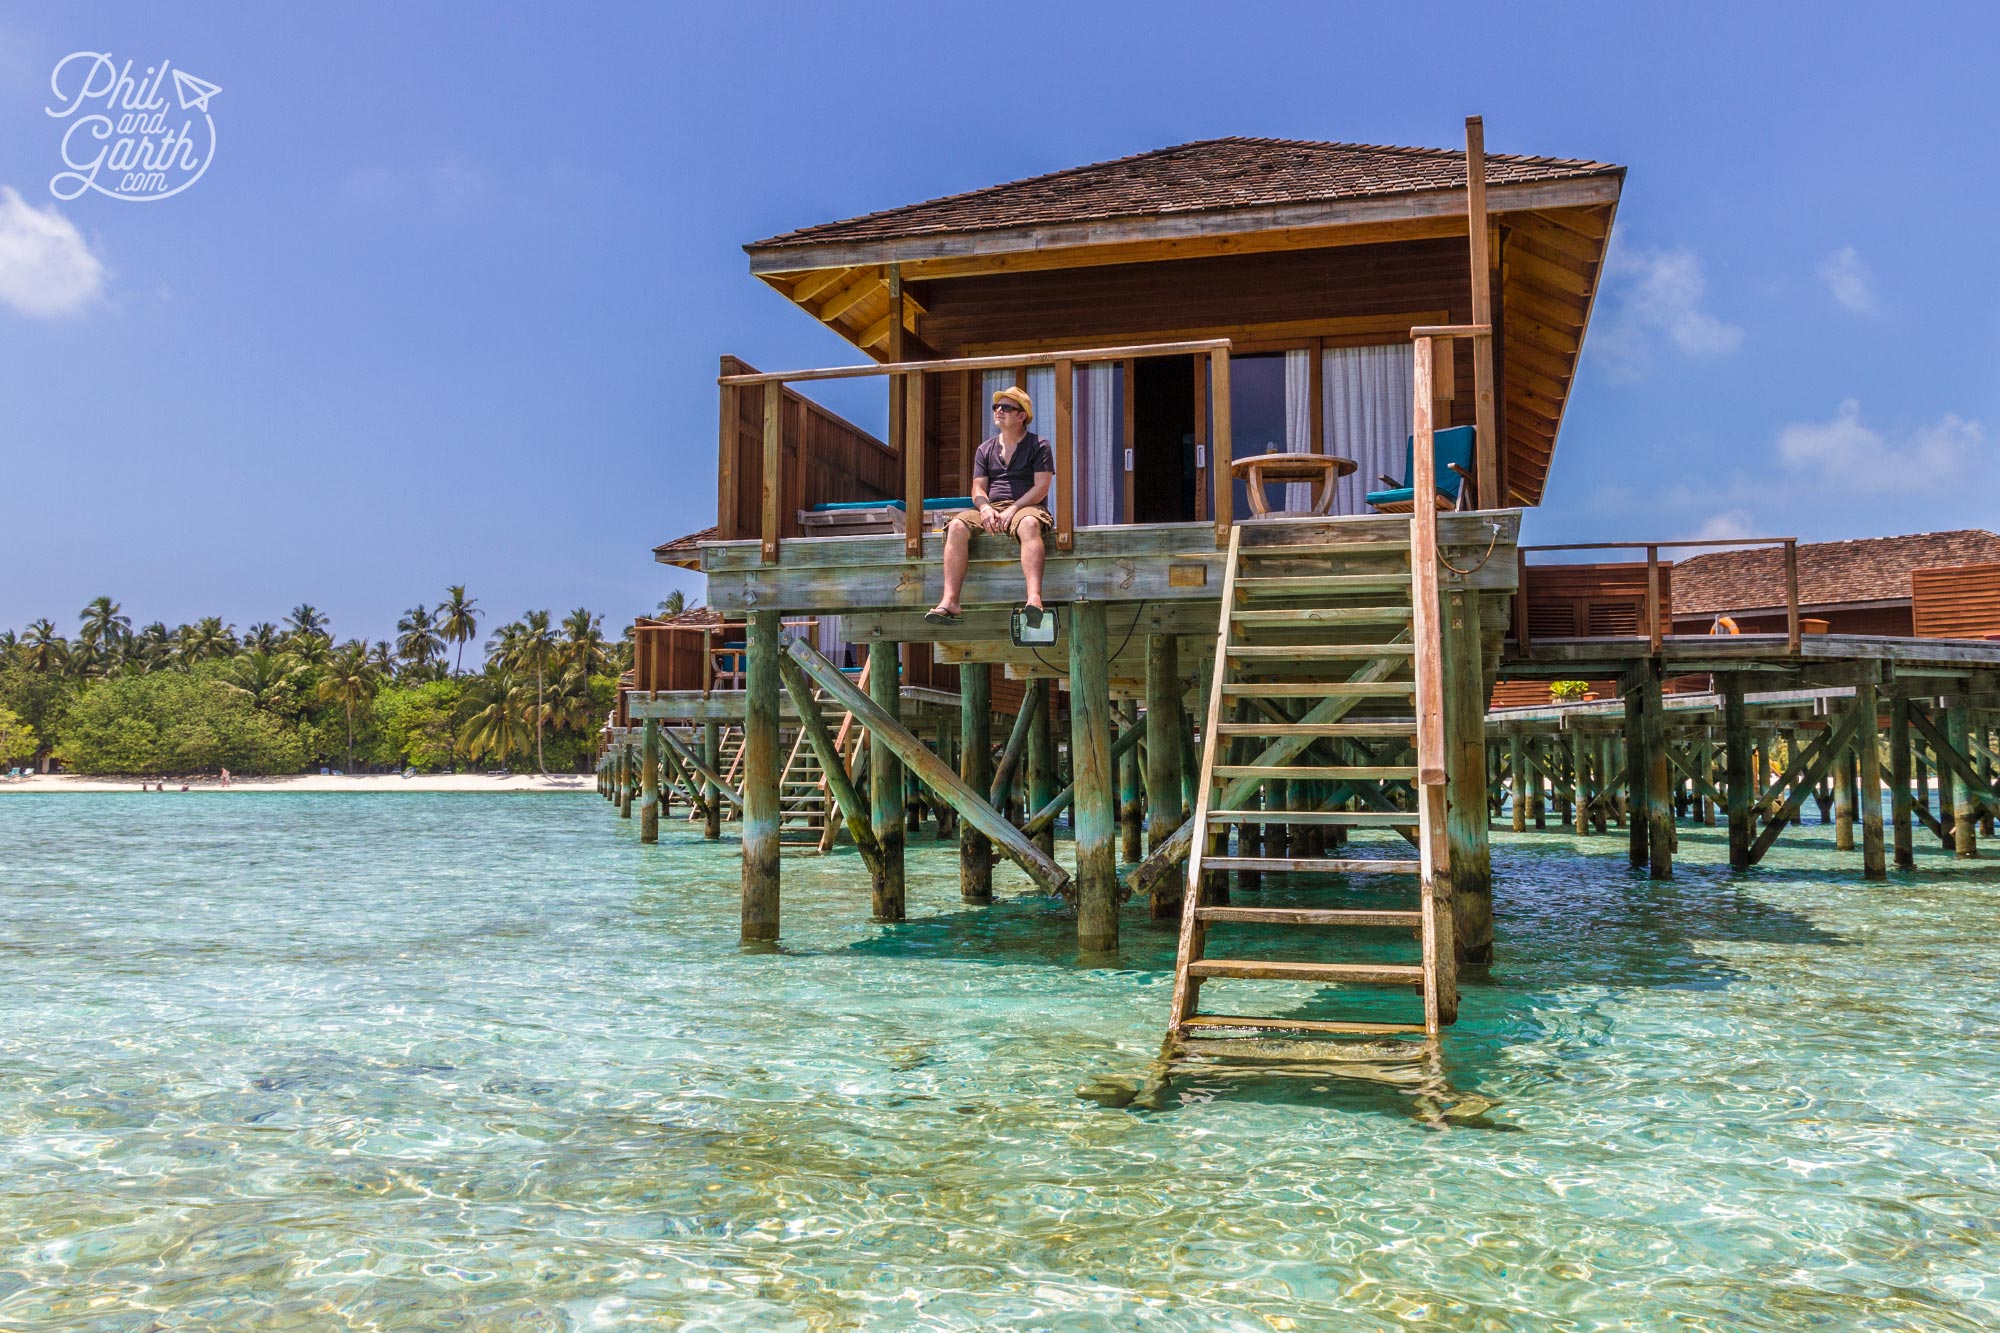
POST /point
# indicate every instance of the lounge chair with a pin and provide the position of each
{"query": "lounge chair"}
(1453, 451)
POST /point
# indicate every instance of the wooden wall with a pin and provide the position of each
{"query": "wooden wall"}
(826, 459)
(1593, 601)
(1956, 602)
(665, 657)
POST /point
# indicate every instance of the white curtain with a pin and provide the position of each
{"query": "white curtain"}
(1099, 460)
(1298, 424)
(831, 642)
(1367, 397)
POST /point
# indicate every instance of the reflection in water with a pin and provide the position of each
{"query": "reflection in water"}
(412, 1062)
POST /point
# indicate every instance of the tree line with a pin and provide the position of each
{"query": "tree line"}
(287, 696)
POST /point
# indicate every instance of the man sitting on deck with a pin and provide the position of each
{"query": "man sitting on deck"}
(1011, 476)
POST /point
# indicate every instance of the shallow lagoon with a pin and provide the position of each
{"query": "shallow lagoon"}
(483, 1062)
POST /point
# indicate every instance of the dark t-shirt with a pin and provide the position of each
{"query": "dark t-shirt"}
(1016, 477)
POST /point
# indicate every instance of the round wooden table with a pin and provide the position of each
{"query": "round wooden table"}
(1321, 471)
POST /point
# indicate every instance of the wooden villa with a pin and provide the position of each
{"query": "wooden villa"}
(1299, 395)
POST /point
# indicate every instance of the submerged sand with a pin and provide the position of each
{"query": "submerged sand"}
(311, 782)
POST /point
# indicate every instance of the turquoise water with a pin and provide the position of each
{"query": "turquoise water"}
(467, 1062)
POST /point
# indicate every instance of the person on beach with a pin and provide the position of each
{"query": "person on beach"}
(1011, 476)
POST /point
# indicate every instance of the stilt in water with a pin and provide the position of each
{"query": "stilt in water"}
(1659, 805)
(711, 754)
(1737, 783)
(975, 765)
(1163, 743)
(1843, 802)
(1964, 809)
(1637, 830)
(1131, 804)
(1901, 813)
(626, 780)
(1868, 783)
(885, 783)
(1466, 820)
(1516, 780)
(649, 781)
(1042, 758)
(1095, 810)
(761, 765)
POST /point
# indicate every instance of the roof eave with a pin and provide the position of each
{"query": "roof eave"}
(1578, 192)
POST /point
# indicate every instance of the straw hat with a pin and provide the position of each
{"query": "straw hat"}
(1019, 398)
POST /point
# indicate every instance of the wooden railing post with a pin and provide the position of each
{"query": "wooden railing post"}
(1486, 444)
(1201, 396)
(773, 479)
(1424, 576)
(913, 465)
(1065, 512)
(1653, 644)
(1521, 601)
(1218, 461)
(1792, 594)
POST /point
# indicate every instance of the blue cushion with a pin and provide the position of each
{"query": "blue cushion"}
(1402, 495)
(1448, 447)
(947, 502)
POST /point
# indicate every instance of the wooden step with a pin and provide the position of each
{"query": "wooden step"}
(1319, 689)
(1369, 772)
(1320, 652)
(1349, 818)
(1310, 916)
(1314, 864)
(1325, 615)
(1265, 969)
(1278, 585)
(1302, 1025)
(1398, 728)
(1302, 550)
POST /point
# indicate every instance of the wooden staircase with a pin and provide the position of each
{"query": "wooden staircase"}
(1314, 692)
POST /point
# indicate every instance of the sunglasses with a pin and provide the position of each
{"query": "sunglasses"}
(1005, 407)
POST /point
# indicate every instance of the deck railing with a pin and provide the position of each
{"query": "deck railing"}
(907, 387)
(1653, 609)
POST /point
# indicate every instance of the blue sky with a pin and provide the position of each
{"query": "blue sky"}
(447, 304)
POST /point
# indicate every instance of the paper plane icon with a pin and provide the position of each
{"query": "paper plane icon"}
(194, 93)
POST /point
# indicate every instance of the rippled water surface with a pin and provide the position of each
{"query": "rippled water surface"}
(450, 1061)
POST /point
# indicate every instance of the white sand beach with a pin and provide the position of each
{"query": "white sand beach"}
(43, 783)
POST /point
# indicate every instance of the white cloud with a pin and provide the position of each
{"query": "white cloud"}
(1846, 451)
(1728, 526)
(1849, 280)
(46, 269)
(1657, 299)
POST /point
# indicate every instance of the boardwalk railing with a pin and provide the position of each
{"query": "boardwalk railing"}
(1653, 604)
(907, 388)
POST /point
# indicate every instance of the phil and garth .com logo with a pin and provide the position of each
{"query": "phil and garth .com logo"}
(126, 139)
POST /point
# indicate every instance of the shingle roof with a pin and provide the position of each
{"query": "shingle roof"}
(1869, 569)
(686, 551)
(1194, 177)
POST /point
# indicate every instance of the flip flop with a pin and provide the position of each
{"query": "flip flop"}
(938, 616)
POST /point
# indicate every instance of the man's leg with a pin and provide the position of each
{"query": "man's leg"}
(957, 546)
(1032, 556)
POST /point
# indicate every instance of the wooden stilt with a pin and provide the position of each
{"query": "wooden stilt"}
(1517, 780)
(1868, 782)
(1964, 809)
(1901, 817)
(975, 766)
(1163, 752)
(711, 795)
(761, 770)
(1131, 799)
(1579, 746)
(1985, 767)
(1736, 759)
(1042, 763)
(1469, 860)
(1843, 803)
(649, 781)
(1637, 830)
(1095, 810)
(1005, 786)
(1538, 804)
(839, 787)
(627, 780)
(1659, 803)
(885, 784)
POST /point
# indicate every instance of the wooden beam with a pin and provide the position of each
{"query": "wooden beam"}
(1096, 816)
(932, 770)
(975, 769)
(1899, 784)
(885, 774)
(1868, 744)
(853, 812)
(1486, 437)
(760, 781)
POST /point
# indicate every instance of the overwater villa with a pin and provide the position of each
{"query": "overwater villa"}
(1298, 395)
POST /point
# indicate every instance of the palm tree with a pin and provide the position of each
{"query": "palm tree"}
(207, 640)
(529, 644)
(673, 604)
(104, 631)
(350, 681)
(265, 677)
(44, 650)
(583, 642)
(262, 637)
(382, 657)
(417, 639)
(153, 647)
(458, 621)
(499, 723)
(307, 619)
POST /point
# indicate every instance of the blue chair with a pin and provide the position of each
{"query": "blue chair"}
(1453, 450)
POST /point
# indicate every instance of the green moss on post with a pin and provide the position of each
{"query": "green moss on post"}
(1095, 810)
(761, 764)
(975, 765)
(1466, 816)
(1901, 811)
(649, 781)
(1131, 803)
(885, 785)
(711, 754)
